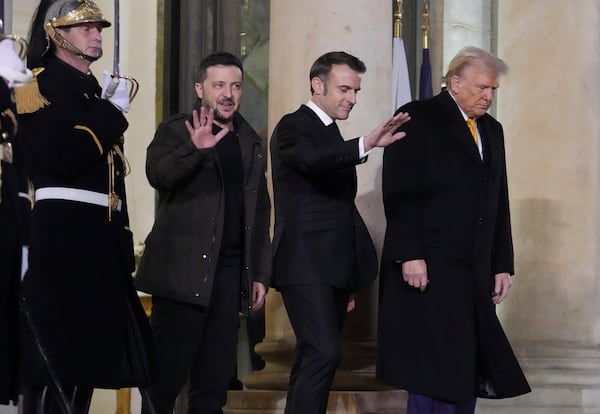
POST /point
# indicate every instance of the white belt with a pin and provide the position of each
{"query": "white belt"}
(73, 194)
(24, 195)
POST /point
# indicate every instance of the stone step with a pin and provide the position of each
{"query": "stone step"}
(340, 402)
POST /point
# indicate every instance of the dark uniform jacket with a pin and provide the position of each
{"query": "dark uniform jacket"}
(446, 205)
(183, 247)
(320, 237)
(14, 220)
(78, 294)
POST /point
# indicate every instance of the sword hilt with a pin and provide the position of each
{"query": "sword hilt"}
(132, 86)
(112, 86)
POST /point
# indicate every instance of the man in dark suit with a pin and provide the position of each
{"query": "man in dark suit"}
(322, 249)
(448, 254)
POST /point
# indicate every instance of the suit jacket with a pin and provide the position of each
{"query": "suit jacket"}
(319, 236)
(446, 205)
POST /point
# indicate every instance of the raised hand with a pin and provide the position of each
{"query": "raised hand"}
(384, 135)
(201, 130)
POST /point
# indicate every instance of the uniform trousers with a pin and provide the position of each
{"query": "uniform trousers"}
(316, 313)
(422, 404)
(198, 343)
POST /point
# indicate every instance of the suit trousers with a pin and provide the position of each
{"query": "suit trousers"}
(316, 313)
(198, 343)
(422, 404)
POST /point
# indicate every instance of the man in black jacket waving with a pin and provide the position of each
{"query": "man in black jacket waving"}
(210, 240)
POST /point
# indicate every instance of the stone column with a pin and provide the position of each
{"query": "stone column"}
(300, 32)
(464, 23)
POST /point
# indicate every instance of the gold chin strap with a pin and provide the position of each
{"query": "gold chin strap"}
(113, 198)
(86, 12)
(64, 44)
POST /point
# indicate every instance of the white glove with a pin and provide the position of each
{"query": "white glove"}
(116, 93)
(12, 68)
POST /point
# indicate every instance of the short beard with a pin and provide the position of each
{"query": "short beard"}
(220, 118)
(216, 114)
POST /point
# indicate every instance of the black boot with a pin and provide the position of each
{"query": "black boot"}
(37, 400)
(81, 397)
(41, 400)
(147, 404)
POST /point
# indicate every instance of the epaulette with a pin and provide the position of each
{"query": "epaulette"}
(29, 98)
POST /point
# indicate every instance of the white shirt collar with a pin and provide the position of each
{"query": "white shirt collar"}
(326, 119)
(479, 146)
(459, 108)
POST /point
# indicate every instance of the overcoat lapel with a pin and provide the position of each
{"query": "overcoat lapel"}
(459, 129)
(488, 139)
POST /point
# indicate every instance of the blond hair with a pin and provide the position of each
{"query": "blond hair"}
(471, 56)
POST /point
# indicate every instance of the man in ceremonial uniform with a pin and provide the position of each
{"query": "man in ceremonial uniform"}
(85, 321)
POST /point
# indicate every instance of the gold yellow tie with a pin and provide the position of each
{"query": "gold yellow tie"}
(471, 125)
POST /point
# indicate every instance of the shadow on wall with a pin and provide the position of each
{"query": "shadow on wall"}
(545, 297)
(370, 206)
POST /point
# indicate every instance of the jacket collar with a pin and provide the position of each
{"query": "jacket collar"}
(326, 119)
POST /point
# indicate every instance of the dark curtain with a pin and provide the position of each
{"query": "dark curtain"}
(193, 29)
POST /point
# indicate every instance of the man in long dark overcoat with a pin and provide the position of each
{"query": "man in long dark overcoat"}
(84, 326)
(448, 254)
